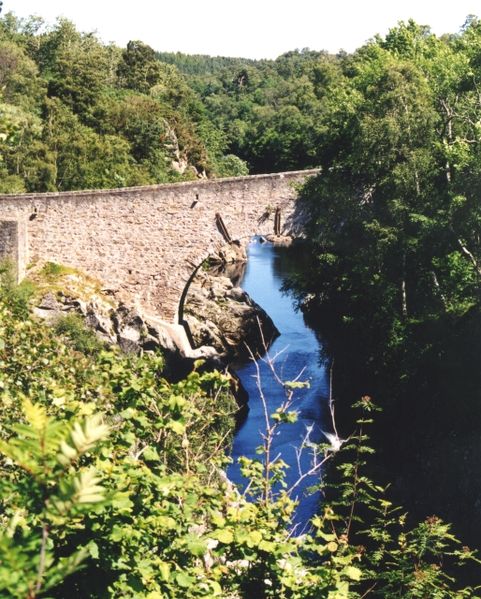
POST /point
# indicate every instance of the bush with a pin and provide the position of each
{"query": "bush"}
(53, 270)
(16, 296)
(148, 514)
(79, 335)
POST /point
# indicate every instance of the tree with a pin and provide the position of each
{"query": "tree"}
(84, 159)
(19, 78)
(139, 68)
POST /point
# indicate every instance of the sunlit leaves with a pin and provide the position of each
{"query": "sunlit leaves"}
(83, 438)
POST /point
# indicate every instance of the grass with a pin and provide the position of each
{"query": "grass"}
(18, 295)
(57, 279)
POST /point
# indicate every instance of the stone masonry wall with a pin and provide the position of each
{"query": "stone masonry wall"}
(12, 243)
(146, 241)
(9, 239)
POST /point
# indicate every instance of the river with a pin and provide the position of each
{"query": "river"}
(298, 355)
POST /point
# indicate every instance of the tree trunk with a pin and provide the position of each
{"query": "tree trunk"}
(404, 296)
(470, 256)
(438, 288)
(404, 299)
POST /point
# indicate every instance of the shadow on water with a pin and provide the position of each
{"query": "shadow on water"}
(296, 352)
(428, 437)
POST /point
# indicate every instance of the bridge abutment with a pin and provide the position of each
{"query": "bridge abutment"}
(13, 243)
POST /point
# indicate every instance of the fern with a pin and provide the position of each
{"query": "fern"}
(82, 439)
(55, 493)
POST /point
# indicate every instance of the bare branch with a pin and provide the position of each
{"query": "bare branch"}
(42, 562)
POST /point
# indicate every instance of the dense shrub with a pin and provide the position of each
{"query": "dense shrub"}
(112, 485)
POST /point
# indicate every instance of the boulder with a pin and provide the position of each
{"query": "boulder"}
(230, 253)
(49, 316)
(238, 294)
(220, 318)
(128, 346)
(49, 302)
(280, 240)
(75, 304)
(227, 318)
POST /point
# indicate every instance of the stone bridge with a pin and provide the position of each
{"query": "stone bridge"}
(147, 241)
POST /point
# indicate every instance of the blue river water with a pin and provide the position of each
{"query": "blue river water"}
(296, 352)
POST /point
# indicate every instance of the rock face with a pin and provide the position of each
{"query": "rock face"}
(116, 321)
(230, 253)
(280, 240)
(112, 324)
(224, 316)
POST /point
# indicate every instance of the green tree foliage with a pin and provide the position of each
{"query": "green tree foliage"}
(112, 485)
(76, 113)
(270, 111)
(394, 229)
(201, 64)
(138, 68)
(76, 66)
(82, 158)
(392, 215)
(48, 491)
(394, 223)
(19, 79)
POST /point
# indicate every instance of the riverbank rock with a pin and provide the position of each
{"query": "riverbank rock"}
(222, 315)
(230, 253)
(222, 322)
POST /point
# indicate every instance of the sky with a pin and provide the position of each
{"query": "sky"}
(247, 28)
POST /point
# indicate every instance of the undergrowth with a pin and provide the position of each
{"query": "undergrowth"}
(82, 339)
(112, 485)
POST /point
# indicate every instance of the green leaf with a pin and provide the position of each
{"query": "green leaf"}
(197, 547)
(297, 384)
(164, 569)
(151, 454)
(216, 588)
(353, 573)
(184, 580)
(35, 414)
(93, 550)
(177, 427)
(254, 538)
(267, 546)
(122, 502)
(224, 535)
